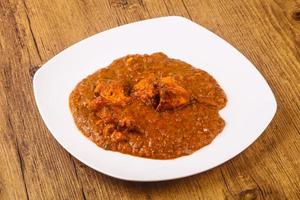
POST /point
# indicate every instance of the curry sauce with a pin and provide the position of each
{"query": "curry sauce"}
(149, 106)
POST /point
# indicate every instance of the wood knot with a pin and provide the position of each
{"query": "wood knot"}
(32, 70)
(296, 15)
(126, 4)
(119, 3)
(249, 194)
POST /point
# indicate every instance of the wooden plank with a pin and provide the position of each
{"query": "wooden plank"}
(47, 169)
(12, 185)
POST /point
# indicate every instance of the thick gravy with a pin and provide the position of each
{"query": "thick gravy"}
(149, 106)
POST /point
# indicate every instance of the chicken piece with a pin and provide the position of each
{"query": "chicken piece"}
(114, 93)
(110, 93)
(171, 95)
(146, 90)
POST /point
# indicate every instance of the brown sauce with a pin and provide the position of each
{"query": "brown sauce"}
(149, 106)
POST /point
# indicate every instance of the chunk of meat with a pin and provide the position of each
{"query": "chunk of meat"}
(110, 93)
(146, 90)
(113, 92)
(171, 95)
(163, 94)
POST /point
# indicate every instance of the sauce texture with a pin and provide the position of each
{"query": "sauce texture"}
(149, 106)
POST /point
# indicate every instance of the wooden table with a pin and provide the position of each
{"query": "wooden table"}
(34, 166)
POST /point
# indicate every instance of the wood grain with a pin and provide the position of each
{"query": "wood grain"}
(34, 165)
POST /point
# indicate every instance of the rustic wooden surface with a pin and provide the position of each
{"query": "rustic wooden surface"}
(34, 166)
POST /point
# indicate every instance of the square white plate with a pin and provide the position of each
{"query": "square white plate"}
(251, 103)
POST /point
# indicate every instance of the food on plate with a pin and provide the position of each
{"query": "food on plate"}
(149, 106)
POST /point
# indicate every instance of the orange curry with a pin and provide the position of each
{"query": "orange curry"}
(149, 106)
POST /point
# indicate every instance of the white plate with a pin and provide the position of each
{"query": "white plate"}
(251, 103)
